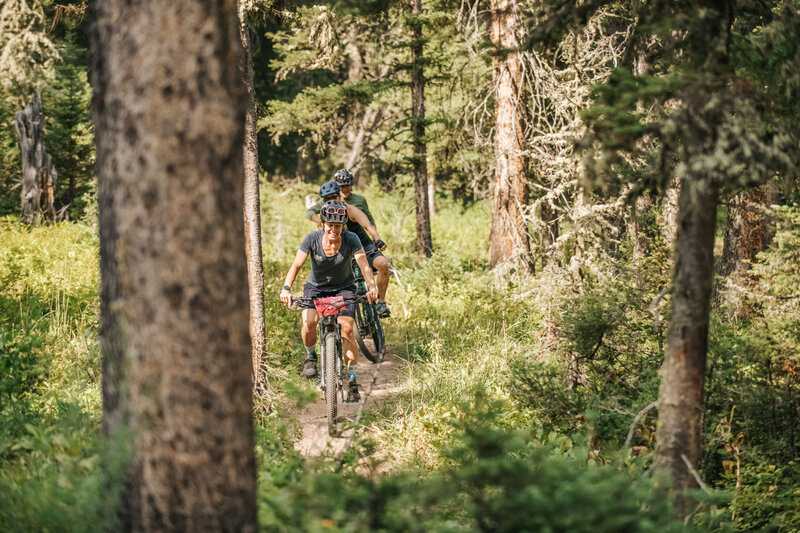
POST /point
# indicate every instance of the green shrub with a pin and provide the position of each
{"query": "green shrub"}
(498, 479)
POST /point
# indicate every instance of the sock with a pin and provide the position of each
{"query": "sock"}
(351, 372)
(312, 352)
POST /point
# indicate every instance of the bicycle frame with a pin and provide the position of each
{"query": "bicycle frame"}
(327, 326)
(330, 337)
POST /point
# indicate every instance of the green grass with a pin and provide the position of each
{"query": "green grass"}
(459, 445)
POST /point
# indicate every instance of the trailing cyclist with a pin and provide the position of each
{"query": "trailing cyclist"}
(373, 248)
(332, 250)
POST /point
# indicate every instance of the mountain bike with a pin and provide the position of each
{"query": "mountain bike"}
(369, 331)
(332, 371)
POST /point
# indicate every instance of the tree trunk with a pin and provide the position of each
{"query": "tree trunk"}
(550, 231)
(168, 109)
(669, 212)
(745, 234)
(680, 402)
(300, 169)
(252, 211)
(508, 238)
(38, 176)
(424, 242)
(432, 195)
(637, 229)
(356, 158)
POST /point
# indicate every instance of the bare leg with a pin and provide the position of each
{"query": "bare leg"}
(348, 340)
(381, 264)
(309, 331)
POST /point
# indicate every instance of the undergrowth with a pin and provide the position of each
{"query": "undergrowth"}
(514, 411)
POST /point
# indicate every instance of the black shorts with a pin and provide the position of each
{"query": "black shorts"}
(310, 291)
(372, 252)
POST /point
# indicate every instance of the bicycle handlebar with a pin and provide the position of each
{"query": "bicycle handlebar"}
(302, 300)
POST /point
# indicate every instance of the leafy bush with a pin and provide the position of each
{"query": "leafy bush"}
(497, 480)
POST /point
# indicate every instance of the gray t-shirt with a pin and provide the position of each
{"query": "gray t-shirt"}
(335, 272)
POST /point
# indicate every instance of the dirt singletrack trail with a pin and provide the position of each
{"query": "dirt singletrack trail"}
(313, 421)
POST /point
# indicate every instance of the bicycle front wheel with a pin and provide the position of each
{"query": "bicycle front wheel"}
(331, 379)
(369, 332)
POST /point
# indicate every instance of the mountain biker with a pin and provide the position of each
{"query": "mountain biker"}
(332, 250)
(372, 248)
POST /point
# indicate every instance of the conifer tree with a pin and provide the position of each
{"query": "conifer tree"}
(420, 152)
(26, 62)
(169, 108)
(712, 101)
(508, 239)
(252, 204)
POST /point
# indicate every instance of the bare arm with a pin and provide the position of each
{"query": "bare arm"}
(361, 259)
(297, 264)
(312, 213)
(360, 217)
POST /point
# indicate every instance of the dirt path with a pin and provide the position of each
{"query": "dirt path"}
(313, 421)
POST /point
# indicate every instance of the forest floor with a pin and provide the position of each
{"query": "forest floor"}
(312, 421)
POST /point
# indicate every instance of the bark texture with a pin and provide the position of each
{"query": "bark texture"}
(252, 210)
(508, 238)
(746, 234)
(550, 230)
(424, 241)
(669, 217)
(637, 229)
(680, 403)
(38, 185)
(168, 108)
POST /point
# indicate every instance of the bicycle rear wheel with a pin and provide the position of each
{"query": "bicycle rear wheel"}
(331, 380)
(369, 332)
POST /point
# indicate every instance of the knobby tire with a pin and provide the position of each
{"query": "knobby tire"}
(331, 380)
(375, 332)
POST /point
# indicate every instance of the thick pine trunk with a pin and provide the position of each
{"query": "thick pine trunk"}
(680, 403)
(508, 239)
(424, 241)
(252, 211)
(38, 184)
(169, 105)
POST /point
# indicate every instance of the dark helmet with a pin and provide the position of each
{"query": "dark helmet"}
(343, 177)
(333, 211)
(328, 188)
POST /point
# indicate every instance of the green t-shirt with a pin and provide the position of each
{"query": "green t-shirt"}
(361, 203)
(355, 200)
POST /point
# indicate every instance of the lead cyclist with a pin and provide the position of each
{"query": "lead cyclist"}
(332, 251)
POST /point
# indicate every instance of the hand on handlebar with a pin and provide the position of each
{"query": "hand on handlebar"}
(286, 298)
(379, 244)
(372, 295)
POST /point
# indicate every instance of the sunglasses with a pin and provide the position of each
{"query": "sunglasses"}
(337, 210)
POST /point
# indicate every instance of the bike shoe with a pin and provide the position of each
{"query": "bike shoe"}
(310, 368)
(353, 395)
(383, 310)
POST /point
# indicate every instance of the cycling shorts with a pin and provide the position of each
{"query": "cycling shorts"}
(372, 252)
(310, 291)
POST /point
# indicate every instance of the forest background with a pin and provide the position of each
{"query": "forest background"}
(535, 317)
